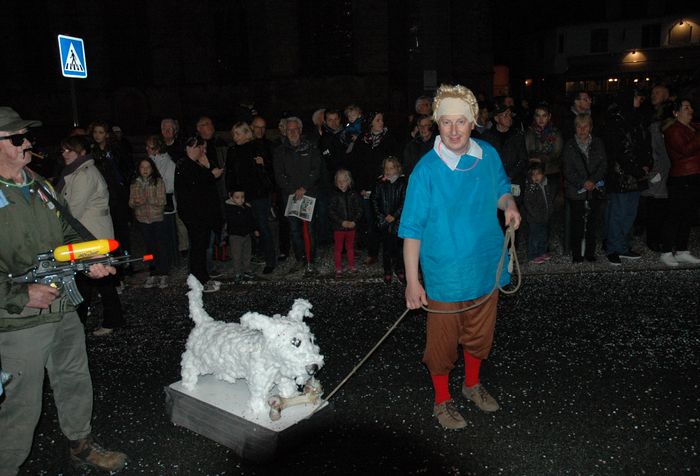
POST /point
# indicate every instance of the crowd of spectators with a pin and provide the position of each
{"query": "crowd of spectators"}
(633, 166)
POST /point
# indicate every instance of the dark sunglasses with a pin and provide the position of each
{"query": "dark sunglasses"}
(18, 139)
(194, 141)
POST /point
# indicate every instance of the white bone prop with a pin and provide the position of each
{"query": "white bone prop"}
(265, 351)
(312, 392)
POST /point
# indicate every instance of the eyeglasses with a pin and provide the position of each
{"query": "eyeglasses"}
(194, 141)
(18, 139)
(66, 150)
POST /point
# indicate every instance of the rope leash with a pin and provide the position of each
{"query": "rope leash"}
(369, 354)
(508, 245)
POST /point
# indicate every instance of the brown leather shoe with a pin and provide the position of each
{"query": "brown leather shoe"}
(448, 416)
(87, 452)
(369, 260)
(481, 397)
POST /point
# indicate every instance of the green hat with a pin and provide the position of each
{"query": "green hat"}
(11, 122)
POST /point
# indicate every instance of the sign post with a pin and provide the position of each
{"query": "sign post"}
(73, 66)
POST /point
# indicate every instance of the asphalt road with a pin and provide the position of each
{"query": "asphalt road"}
(596, 373)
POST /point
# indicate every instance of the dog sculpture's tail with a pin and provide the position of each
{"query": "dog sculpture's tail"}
(197, 312)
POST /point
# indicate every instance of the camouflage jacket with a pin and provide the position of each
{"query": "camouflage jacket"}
(29, 225)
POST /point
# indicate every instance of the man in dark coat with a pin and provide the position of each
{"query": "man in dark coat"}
(420, 145)
(332, 158)
(509, 142)
(628, 148)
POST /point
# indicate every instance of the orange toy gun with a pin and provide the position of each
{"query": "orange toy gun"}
(58, 267)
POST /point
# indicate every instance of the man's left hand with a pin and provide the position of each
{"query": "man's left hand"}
(512, 214)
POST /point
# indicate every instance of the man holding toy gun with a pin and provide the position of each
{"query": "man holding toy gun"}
(39, 327)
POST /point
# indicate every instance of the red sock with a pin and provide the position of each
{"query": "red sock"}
(442, 390)
(471, 370)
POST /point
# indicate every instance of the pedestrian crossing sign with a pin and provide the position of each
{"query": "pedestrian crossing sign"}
(72, 53)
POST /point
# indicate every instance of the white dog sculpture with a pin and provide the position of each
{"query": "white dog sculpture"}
(266, 351)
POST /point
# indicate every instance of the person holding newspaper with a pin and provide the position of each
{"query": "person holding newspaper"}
(297, 166)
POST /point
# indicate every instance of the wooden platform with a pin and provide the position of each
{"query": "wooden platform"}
(214, 409)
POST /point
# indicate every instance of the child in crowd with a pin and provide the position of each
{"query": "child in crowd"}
(388, 199)
(147, 198)
(539, 205)
(241, 226)
(353, 128)
(344, 212)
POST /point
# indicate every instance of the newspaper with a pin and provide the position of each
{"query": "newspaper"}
(303, 209)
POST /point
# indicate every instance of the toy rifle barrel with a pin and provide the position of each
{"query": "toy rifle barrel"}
(62, 275)
(84, 265)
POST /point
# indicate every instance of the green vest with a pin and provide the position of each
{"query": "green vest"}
(29, 225)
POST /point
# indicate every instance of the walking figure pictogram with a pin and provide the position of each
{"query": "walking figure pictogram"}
(73, 62)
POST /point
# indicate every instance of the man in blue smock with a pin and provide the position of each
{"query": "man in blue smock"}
(449, 224)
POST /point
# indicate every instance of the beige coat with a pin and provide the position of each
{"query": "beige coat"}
(88, 200)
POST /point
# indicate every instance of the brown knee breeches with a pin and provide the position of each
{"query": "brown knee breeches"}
(473, 329)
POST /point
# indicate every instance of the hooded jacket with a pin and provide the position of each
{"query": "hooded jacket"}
(297, 167)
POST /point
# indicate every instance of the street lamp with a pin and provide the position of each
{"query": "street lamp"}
(681, 24)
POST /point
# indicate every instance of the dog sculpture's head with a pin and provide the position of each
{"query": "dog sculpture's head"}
(289, 341)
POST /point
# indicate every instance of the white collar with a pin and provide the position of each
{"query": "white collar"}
(450, 158)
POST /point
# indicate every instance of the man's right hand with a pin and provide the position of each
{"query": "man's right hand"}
(41, 295)
(415, 295)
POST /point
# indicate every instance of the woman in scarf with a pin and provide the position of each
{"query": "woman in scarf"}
(86, 194)
(248, 171)
(371, 148)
